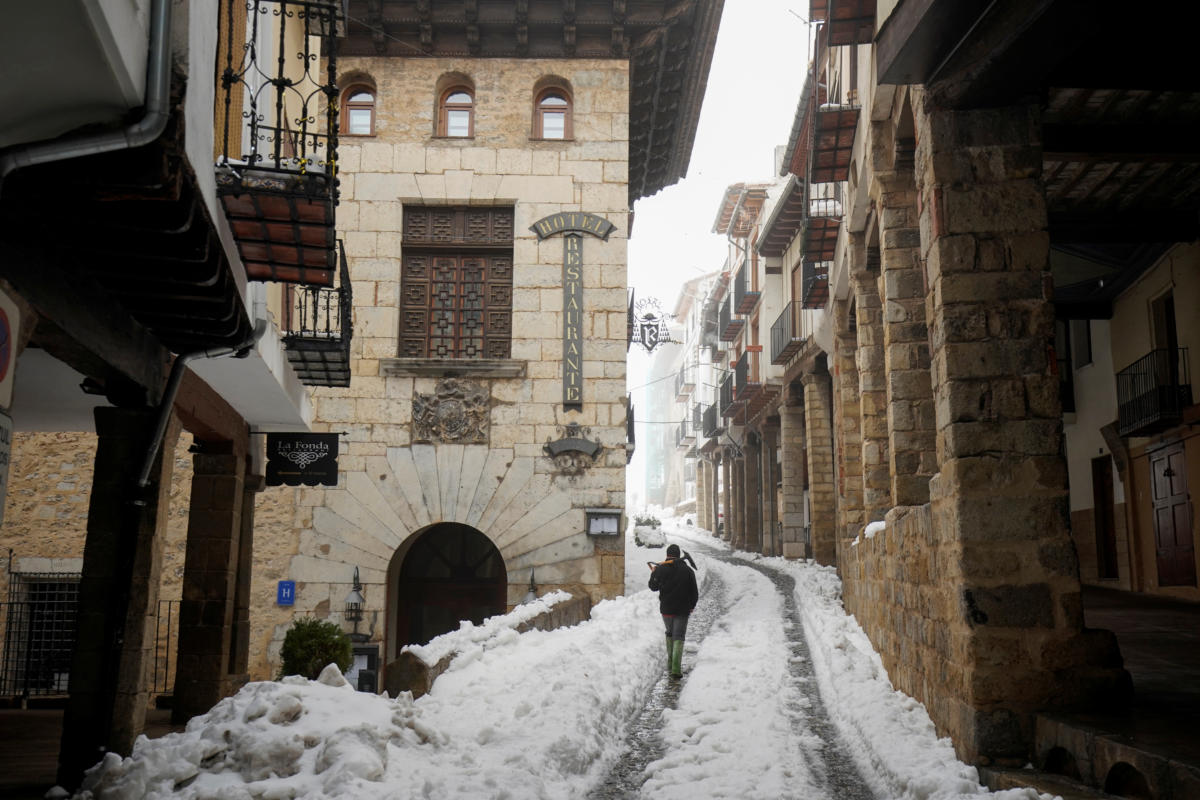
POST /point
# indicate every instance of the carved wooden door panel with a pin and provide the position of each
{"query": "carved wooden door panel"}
(456, 306)
(1172, 518)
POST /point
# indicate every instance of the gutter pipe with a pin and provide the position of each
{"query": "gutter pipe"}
(142, 132)
(167, 404)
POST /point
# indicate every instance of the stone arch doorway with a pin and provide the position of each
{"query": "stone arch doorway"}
(451, 572)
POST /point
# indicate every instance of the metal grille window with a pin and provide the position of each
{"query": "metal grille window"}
(456, 292)
(39, 633)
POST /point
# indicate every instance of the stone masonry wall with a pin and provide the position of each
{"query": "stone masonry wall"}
(391, 488)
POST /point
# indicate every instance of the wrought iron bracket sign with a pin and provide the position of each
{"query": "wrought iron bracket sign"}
(650, 325)
(296, 459)
(572, 225)
(573, 453)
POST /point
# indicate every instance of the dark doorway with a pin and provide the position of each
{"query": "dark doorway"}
(1172, 517)
(451, 573)
(1105, 513)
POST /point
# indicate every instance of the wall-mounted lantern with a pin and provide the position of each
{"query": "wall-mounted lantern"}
(354, 607)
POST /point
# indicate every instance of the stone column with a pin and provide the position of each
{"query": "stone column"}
(872, 387)
(770, 496)
(846, 421)
(211, 574)
(118, 593)
(752, 494)
(822, 501)
(737, 533)
(910, 416)
(701, 494)
(726, 496)
(795, 473)
(1004, 556)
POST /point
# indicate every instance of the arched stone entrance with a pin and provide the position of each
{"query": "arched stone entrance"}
(451, 572)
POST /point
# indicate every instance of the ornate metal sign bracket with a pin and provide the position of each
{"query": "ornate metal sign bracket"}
(573, 453)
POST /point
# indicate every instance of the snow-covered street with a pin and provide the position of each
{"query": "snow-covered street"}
(782, 697)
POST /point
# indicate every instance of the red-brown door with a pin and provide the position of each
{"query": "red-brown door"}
(1172, 518)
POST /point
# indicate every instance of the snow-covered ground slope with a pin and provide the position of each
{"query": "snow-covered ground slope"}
(543, 714)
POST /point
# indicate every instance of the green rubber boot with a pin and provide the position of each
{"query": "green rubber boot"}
(677, 658)
(670, 652)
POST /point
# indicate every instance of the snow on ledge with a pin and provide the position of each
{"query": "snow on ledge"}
(469, 634)
(869, 532)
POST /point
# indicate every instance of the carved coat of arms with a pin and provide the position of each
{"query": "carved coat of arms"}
(458, 411)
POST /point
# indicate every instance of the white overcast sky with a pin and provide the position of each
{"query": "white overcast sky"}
(757, 73)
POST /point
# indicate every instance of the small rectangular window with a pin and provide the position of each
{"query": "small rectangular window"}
(554, 125)
(458, 122)
(1081, 343)
(360, 121)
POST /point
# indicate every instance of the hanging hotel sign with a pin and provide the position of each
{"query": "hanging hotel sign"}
(308, 459)
(572, 225)
(650, 324)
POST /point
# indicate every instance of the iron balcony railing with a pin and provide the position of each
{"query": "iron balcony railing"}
(685, 435)
(1153, 391)
(697, 417)
(685, 382)
(277, 134)
(815, 280)
(728, 407)
(713, 426)
(319, 330)
(788, 333)
(746, 377)
(744, 299)
(630, 438)
(729, 326)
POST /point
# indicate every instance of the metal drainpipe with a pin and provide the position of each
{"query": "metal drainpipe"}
(144, 131)
(168, 400)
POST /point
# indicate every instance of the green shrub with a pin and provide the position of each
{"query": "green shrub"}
(310, 645)
(646, 521)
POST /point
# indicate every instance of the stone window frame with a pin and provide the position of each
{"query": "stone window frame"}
(544, 88)
(347, 105)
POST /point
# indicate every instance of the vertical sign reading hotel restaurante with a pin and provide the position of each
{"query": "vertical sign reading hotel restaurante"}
(572, 225)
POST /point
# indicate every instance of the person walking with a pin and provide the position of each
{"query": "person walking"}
(675, 583)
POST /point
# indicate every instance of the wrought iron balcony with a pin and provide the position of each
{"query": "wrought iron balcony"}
(729, 402)
(744, 300)
(319, 329)
(697, 417)
(685, 435)
(630, 438)
(277, 133)
(685, 382)
(787, 336)
(1153, 391)
(713, 423)
(729, 326)
(849, 21)
(815, 279)
(747, 381)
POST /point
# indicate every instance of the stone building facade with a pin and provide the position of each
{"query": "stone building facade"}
(945, 249)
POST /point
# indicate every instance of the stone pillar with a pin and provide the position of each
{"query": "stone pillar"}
(701, 493)
(737, 533)
(118, 593)
(752, 494)
(872, 386)
(910, 416)
(999, 500)
(822, 501)
(239, 660)
(795, 473)
(211, 574)
(846, 417)
(726, 496)
(770, 496)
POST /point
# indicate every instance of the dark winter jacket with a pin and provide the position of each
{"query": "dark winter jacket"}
(676, 586)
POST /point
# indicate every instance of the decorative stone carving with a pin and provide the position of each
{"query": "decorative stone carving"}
(573, 453)
(458, 411)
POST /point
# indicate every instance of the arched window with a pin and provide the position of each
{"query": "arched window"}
(358, 111)
(552, 114)
(456, 114)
